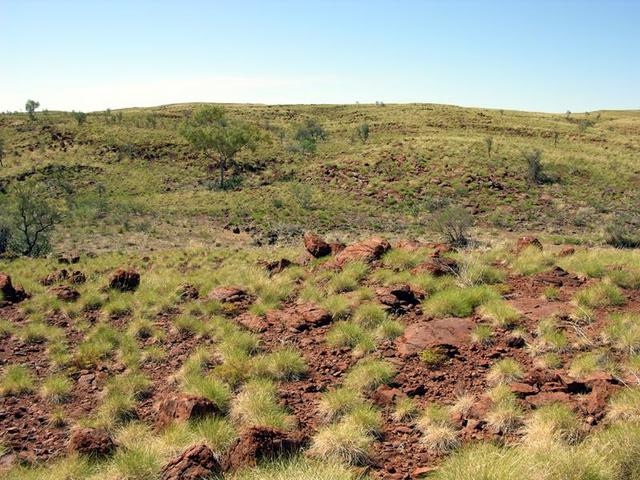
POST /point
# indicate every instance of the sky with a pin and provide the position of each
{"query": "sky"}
(538, 55)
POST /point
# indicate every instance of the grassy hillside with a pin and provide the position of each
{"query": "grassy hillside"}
(127, 179)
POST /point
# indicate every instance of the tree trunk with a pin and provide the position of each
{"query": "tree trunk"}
(222, 167)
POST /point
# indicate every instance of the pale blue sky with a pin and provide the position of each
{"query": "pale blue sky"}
(537, 55)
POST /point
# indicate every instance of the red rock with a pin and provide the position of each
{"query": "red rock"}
(182, 408)
(125, 280)
(566, 251)
(252, 322)
(407, 245)
(67, 259)
(92, 442)
(365, 251)
(187, 292)
(422, 472)
(337, 247)
(197, 462)
(55, 277)
(523, 389)
(77, 277)
(438, 266)
(300, 317)
(443, 331)
(315, 245)
(228, 295)
(399, 297)
(8, 292)
(545, 398)
(526, 242)
(385, 395)
(65, 293)
(277, 266)
(262, 443)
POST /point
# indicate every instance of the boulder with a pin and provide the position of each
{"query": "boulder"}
(399, 298)
(228, 295)
(262, 443)
(385, 395)
(68, 259)
(125, 280)
(252, 322)
(92, 442)
(77, 277)
(181, 408)
(443, 331)
(55, 277)
(365, 251)
(187, 292)
(526, 242)
(65, 293)
(197, 462)
(300, 317)
(566, 251)
(438, 266)
(277, 266)
(9, 293)
(316, 246)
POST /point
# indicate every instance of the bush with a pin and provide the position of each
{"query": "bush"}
(309, 134)
(623, 232)
(453, 223)
(535, 173)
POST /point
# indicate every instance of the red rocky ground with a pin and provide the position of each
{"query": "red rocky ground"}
(25, 425)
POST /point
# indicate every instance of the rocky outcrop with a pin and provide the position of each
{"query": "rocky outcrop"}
(91, 442)
(365, 251)
(197, 462)
(182, 408)
(229, 295)
(526, 242)
(10, 293)
(125, 280)
(316, 245)
(65, 293)
(262, 443)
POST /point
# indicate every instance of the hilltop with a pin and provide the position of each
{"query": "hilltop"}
(128, 179)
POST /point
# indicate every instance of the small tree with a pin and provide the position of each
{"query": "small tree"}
(535, 173)
(29, 217)
(363, 132)
(2, 151)
(309, 134)
(453, 223)
(489, 143)
(31, 107)
(80, 117)
(211, 131)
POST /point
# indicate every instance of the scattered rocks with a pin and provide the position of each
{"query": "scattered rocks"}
(252, 322)
(65, 293)
(197, 462)
(92, 442)
(262, 443)
(187, 292)
(316, 245)
(365, 251)
(228, 295)
(182, 408)
(9, 293)
(526, 242)
(125, 280)
(385, 395)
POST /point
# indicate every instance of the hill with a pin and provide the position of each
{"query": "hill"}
(129, 179)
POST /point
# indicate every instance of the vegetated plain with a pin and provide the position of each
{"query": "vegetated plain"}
(183, 330)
